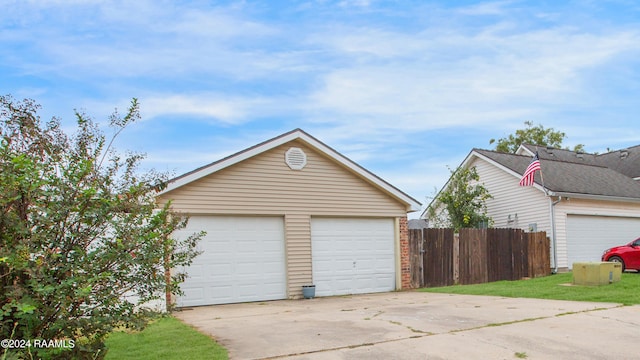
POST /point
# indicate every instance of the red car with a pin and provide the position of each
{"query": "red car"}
(628, 255)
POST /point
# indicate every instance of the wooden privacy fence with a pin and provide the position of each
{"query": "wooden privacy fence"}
(441, 258)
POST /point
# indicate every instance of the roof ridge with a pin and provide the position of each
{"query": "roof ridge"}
(634, 147)
(618, 150)
(543, 159)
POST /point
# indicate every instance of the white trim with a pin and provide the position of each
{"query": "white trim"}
(397, 251)
(505, 169)
(224, 163)
(523, 150)
(602, 214)
(285, 138)
(593, 197)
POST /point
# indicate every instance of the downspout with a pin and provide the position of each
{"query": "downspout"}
(553, 232)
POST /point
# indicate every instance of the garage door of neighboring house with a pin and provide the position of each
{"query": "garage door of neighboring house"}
(352, 256)
(588, 236)
(243, 260)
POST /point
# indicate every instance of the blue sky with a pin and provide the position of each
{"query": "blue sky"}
(404, 88)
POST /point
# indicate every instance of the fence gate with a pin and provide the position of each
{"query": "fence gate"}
(473, 256)
(437, 263)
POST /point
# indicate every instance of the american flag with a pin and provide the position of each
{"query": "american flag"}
(529, 174)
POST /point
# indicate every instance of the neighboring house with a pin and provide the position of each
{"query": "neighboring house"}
(288, 212)
(586, 204)
(415, 224)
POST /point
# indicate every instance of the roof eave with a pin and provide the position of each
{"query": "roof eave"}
(465, 164)
(524, 150)
(593, 196)
(412, 204)
(228, 161)
(506, 169)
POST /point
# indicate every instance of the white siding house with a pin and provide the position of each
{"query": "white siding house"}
(585, 203)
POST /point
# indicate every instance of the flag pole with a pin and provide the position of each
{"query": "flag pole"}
(544, 188)
(542, 180)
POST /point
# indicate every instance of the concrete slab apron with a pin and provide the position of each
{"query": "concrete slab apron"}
(415, 325)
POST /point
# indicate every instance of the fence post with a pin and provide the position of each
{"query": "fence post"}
(415, 258)
(456, 258)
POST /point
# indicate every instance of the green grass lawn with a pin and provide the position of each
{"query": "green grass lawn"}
(166, 338)
(626, 291)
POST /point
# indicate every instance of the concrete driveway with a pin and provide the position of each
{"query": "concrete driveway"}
(416, 325)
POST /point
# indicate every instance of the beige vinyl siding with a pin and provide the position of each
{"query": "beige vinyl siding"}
(265, 185)
(574, 206)
(298, 253)
(529, 203)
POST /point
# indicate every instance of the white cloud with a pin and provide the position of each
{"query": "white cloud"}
(215, 24)
(490, 79)
(373, 80)
(485, 8)
(86, 40)
(362, 42)
(356, 3)
(227, 110)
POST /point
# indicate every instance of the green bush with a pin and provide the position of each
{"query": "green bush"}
(79, 230)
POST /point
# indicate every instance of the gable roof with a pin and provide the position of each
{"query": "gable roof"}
(309, 140)
(566, 175)
(613, 176)
(625, 161)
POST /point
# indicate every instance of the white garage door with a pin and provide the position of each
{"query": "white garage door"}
(243, 260)
(352, 256)
(588, 236)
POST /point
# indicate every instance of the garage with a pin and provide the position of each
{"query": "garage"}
(352, 256)
(242, 260)
(588, 235)
(289, 212)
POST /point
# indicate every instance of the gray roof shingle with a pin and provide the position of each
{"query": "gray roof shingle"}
(625, 161)
(565, 172)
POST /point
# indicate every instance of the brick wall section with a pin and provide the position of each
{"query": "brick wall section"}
(405, 260)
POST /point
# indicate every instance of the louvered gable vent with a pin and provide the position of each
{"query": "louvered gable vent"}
(295, 158)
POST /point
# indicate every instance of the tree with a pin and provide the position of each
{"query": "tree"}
(462, 203)
(80, 234)
(535, 135)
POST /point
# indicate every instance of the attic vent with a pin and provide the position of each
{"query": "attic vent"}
(624, 154)
(295, 158)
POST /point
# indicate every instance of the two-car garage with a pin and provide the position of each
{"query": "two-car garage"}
(243, 258)
(286, 213)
